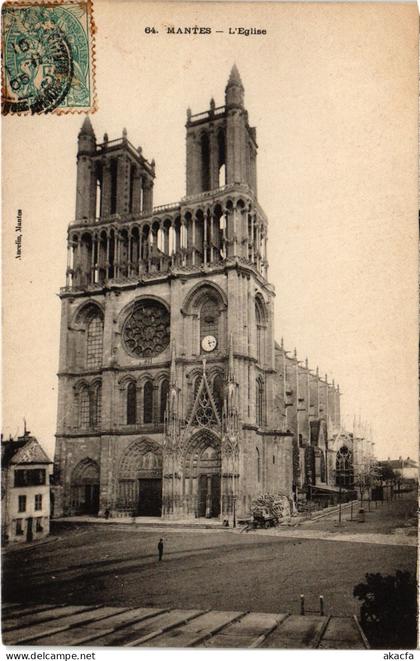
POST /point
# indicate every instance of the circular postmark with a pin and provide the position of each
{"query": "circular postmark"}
(37, 60)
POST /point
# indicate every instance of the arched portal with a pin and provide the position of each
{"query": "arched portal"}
(140, 479)
(85, 488)
(202, 473)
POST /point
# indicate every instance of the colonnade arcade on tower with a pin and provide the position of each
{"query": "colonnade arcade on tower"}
(118, 234)
(171, 396)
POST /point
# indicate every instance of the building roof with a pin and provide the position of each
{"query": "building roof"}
(400, 463)
(25, 450)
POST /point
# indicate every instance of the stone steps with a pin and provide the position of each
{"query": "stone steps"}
(143, 522)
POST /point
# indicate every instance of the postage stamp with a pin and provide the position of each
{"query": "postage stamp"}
(48, 63)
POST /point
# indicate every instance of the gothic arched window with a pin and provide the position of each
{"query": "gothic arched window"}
(259, 404)
(260, 329)
(218, 390)
(148, 402)
(164, 390)
(84, 408)
(209, 319)
(94, 342)
(131, 403)
(344, 467)
(258, 465)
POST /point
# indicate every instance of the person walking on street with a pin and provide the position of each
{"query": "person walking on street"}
(160, 548)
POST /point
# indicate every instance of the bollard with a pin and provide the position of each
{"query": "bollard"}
(321, 604)
(369, 504)
(351, 511)
(302, 604)
(361, 515)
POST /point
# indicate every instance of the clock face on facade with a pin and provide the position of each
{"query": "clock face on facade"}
(209, 343)
(146, 330)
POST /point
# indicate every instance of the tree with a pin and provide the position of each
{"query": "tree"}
(386, 472)
(388, 614)
(364, 478)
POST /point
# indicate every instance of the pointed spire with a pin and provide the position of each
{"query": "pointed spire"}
(282, 344)
(234, 91)
(234, 77)
(86, 140)
(306, 362)
(87, 128)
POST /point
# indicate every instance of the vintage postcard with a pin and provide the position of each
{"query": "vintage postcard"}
(210, 285)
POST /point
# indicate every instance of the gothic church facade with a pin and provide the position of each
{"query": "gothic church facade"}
(174, 399)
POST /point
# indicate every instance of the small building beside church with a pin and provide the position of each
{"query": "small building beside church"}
(25, 490)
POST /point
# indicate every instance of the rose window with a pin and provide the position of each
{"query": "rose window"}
(146, 331)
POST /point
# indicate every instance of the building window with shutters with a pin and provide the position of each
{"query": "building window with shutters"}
(19, 527)
(30, 477)
(38, 501)
(22, 504)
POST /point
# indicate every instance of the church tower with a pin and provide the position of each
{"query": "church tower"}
(168, 400)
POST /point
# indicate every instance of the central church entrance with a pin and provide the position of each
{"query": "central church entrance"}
(208, 496)
(202, 474)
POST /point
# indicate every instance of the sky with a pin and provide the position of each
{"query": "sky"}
(332, 90)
